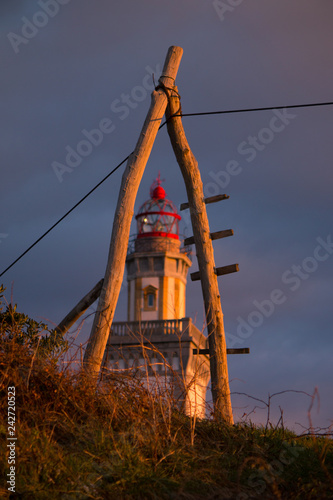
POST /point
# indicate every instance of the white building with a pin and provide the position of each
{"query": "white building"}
(158, 339)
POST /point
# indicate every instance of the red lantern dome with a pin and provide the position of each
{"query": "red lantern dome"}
(159, 193)
(158, 216)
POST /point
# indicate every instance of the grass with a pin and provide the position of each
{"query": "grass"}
(119, 441)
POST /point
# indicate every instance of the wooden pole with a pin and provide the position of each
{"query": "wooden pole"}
(80, 308)
(123, 217)
(205, 256)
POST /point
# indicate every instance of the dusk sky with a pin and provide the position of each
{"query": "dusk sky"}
(73, 66)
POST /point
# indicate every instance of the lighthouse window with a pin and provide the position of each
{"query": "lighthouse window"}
(151, 300)
(144, 264)
(158, 264)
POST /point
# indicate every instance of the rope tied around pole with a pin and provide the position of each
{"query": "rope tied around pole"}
(167, 91)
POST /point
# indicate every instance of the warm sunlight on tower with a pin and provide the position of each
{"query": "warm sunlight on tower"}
(157, 267)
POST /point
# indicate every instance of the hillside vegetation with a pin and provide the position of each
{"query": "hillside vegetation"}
(120, 441)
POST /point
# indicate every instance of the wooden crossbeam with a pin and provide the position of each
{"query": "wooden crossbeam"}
(211, 199)
(213, 236)
(241, 350)
(219, 271)
(80, 308)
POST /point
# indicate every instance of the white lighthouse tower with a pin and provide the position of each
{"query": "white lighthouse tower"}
(157, 269)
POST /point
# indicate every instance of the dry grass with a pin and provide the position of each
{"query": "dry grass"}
(121, 441)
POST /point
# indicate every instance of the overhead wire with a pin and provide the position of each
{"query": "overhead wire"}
(249, 110)
(65, 215)
(205, 113)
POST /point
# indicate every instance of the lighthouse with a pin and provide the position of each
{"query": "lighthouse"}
(157, 269)
(157, 266)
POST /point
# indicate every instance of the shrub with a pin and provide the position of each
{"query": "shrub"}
(19, 328)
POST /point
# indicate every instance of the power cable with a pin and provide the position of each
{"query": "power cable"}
(269, 108)
(63, 217)
(248, 110)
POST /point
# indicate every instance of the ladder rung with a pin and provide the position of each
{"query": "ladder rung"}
(211, 199)
(233, 268)
(241, 350)
(213, 236)
(219, 271)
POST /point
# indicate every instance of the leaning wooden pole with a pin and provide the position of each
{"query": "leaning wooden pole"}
(80, 308)
(123, 216)
(205, 256)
